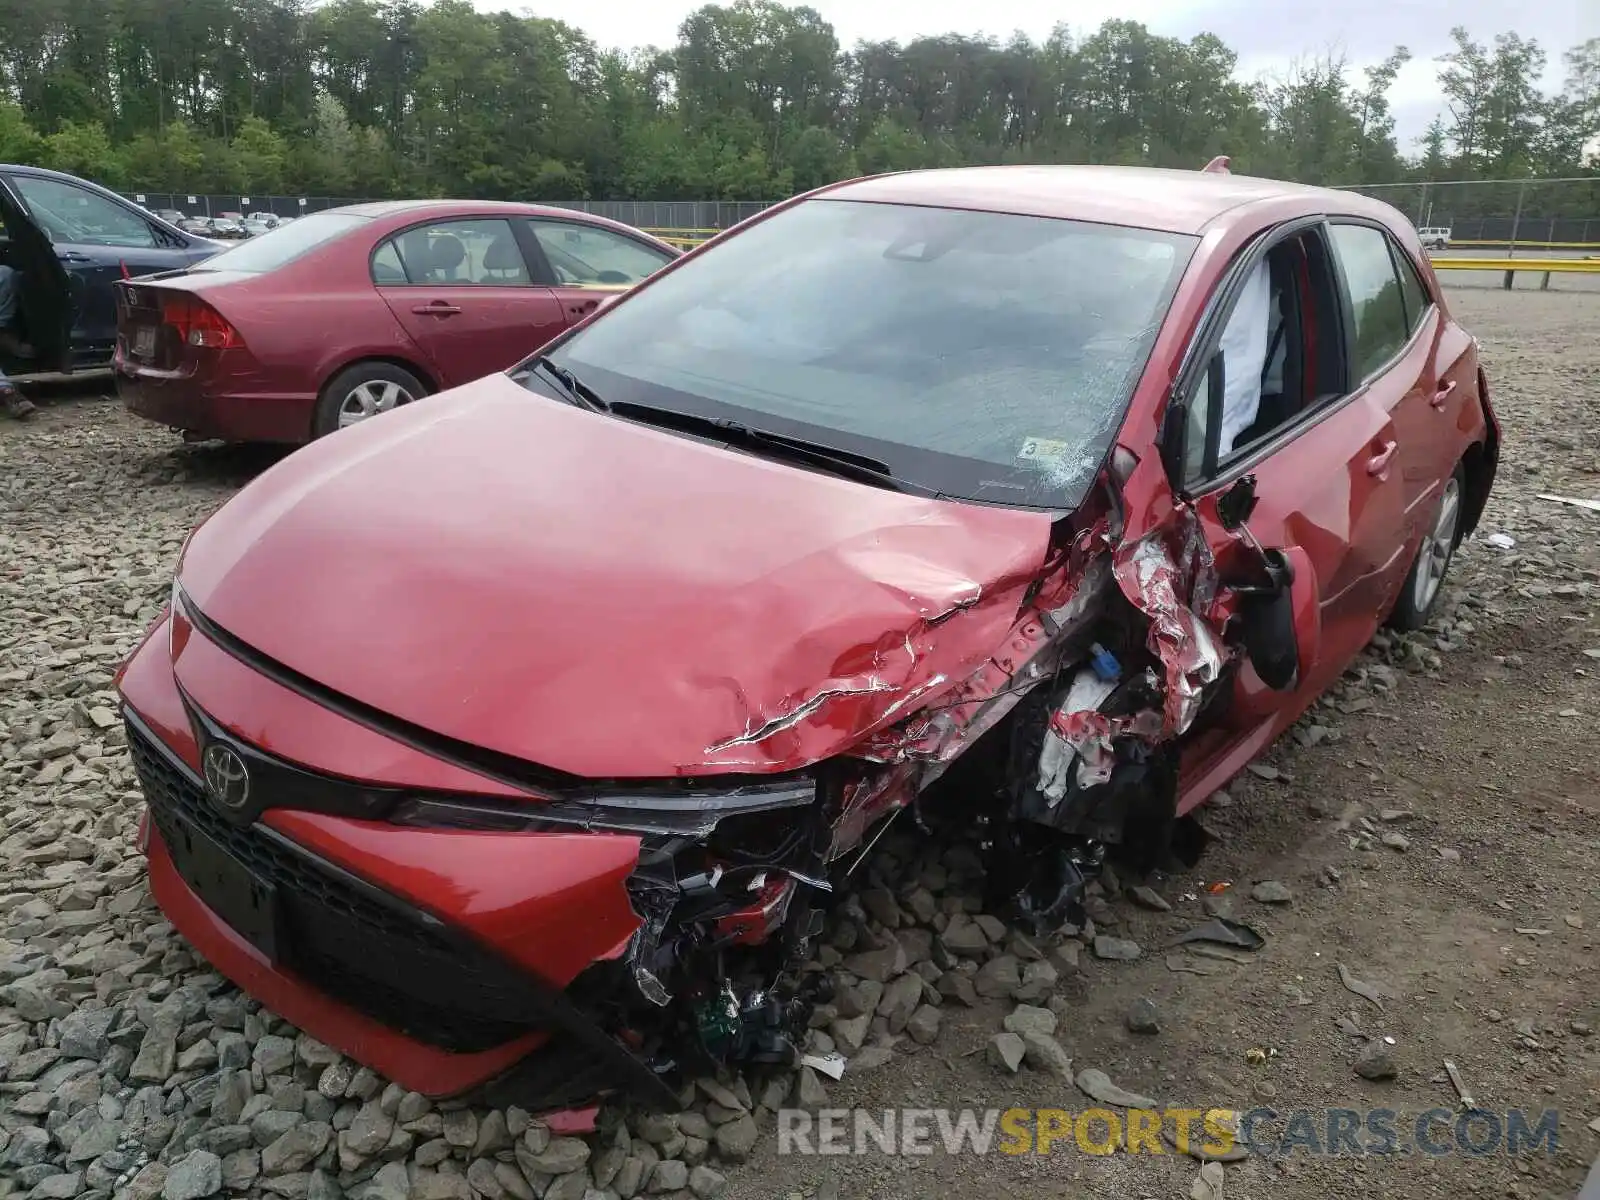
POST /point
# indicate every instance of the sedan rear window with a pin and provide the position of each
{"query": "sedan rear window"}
(985, 355)
(282, 245)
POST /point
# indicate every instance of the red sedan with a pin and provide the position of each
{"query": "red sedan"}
(521, 741)
(344, 314)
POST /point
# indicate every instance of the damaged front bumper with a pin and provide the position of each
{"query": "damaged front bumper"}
(432, 1004)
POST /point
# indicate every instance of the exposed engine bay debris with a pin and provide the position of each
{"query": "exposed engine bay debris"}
(1058, 750)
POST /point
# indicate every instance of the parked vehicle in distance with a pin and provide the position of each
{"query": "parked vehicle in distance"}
(255, 228)
(270, 220)
(514, 740)
(171, 215)
(70, 239)
(1435, 237)
(199, 226)
(351, 312)
(226, 227)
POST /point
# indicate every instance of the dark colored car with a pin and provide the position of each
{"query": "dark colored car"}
(518, 742)
(351, 312)
(71, 240)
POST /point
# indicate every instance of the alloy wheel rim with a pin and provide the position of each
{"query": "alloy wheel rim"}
(1438, 547)
(369, 398)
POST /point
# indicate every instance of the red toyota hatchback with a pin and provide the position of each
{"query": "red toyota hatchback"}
(517, 744)
(348, 313)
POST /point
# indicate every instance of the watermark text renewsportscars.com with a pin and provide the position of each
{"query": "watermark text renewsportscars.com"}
(1213, 1132)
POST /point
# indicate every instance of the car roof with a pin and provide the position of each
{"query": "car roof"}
(403, 211)
(378, 209)
(1173, 201)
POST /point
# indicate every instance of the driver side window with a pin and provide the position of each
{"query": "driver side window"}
(587, 256)
(72, 214)
(1270, 364)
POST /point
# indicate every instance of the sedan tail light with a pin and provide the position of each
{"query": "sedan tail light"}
(197, 323)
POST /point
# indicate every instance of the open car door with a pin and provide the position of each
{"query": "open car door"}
(46, 302)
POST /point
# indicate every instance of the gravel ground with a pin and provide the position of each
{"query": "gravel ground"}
(1429, 828)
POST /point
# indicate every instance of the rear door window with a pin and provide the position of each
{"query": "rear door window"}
(1412, 291)
(1377, 306)
(586, 256)
(479, 251)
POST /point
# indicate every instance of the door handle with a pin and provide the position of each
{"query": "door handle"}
(438, 308)
(71, 256)
(1442, 395)
(1379, 462)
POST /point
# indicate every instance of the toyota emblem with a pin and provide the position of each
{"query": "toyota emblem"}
(227, 777)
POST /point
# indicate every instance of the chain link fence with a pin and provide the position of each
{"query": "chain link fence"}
(1556, 214)
(1536, 213)
(679, 216)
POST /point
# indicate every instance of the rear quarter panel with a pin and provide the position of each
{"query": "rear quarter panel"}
(309, 319)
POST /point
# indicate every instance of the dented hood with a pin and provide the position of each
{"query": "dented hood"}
(603, 598)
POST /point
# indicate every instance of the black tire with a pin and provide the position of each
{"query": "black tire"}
(1420, 593)
(387, 387)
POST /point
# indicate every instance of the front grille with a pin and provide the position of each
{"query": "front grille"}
(348, 938)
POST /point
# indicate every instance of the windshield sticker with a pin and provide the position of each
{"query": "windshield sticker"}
(1046, 452)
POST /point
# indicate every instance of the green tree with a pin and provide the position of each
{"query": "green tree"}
(83, 150)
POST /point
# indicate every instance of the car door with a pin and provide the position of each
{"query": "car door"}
(463, 291)
(1448, 384)
(99, 240)
(1396, 348)
(1302, 517)
(46, 295)
(588, 262)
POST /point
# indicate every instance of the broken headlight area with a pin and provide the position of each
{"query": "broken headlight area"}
(726, 892)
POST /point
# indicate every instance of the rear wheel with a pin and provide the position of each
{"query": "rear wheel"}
(362, 391)
(1426, 578)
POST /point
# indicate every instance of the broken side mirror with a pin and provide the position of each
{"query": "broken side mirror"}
(1236, 504)
(1271, 642)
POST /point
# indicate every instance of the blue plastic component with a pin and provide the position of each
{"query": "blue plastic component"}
(1104, 664)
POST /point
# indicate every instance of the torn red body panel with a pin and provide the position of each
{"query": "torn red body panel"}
(1173, 594)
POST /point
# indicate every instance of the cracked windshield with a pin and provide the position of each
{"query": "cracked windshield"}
(985, 355)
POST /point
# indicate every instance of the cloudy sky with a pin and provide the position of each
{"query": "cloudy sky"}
(1267, 36)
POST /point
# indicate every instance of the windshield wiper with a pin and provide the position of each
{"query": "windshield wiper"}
(580, 393)
(844, 463)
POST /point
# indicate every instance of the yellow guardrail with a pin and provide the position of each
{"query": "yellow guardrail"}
(1530, 245)
(1542, 266)
(684, 239)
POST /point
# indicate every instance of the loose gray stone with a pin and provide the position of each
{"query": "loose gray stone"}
(1148, 897)
(1116, 949)
(923, 1025)
(669, 1176)
(1026, 1018)
(1097, 1085)
(193, 1177)
(1006, 1051)
(297, 1149)
(736, 1139)
(1043, 1053)
(997, 977)
(1270, 891)
(1376, 1063)
(562, 1156)
(707, 1184)
(1143, 1017)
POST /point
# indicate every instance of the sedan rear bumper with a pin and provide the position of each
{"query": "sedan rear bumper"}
(184, 401)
